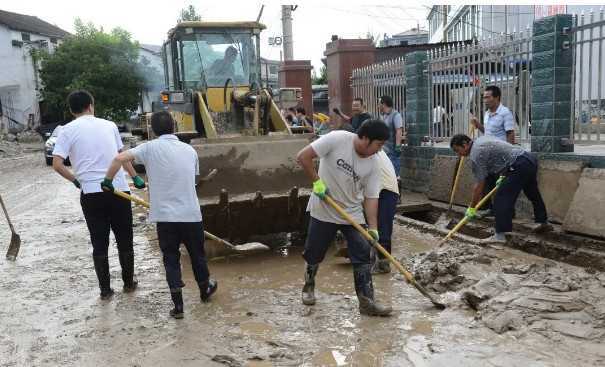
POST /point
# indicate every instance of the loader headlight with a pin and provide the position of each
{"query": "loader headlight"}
(177, 97)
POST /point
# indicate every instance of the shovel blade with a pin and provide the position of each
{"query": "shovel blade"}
(251, 246)
(13, 247)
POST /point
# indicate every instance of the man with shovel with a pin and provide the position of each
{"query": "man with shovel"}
(171, 168)
(517, 170)
(349, 173)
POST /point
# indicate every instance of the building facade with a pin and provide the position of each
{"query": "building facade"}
(414, 36)
(19, 80)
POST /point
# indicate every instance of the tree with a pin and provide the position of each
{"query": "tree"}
(323, 76)
(189, 14)
(103, 63)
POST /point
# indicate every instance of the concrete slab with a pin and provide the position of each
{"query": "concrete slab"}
(558, 182)
(442, 177)
(586, 215)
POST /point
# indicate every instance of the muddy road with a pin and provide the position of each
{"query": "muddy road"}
(50, 312)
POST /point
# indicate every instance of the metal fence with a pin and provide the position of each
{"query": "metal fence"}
(385, 78)
(588, 101)
(459, 73)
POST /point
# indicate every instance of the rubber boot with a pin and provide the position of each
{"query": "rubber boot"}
(177, 298)
(207, 289)
(365, 292)
(308, 291)
(127, 264)
(102, 270)
(380, 264)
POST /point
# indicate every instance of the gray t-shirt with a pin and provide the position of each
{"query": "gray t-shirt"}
(491, 156)
(394, 121)
(348, 177)
(171, 168)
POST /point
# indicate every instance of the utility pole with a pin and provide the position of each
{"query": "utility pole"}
(286, 20)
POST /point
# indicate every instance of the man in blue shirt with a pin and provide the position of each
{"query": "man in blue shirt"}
(394, 122)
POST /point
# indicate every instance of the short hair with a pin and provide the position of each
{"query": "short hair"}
(374, 130)
(459, 140)
(79, 100)
(301, 110)
(162, 123)
(387, 100)
(292, 109)
(496, 92)
(358, 99)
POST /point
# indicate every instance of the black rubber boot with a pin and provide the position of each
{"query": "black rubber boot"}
(102, 270)
(127, 264)
(177, 298)
(207, 289)
(365, 292)
(308, 291)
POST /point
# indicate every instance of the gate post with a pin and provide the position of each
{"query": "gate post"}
(551, 86)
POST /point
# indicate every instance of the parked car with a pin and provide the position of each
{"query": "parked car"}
(49, 145)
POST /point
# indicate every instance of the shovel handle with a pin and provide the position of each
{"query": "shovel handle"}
(10, 224)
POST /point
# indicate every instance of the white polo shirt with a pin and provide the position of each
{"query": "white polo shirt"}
(171, 167)
(499, 122)
(91, 144)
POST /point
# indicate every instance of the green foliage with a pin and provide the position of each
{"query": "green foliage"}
(105, 64)
(323, 76)
(189, 14)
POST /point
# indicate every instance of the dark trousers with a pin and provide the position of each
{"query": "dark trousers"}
(103, 212)
(170, 236)
(521, 176)
(321, 234)
(387, 206)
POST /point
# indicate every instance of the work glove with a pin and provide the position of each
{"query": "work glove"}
(76, 183)
(471, 213)
(398, 149)
(320, 189)
(374, 234)
(139, 183)
(500, 181)
(107, 185)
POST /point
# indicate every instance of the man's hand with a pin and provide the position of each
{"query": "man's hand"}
(107, 185)
(76, 183)
(139, 183)
(499, 181)
(374, 234)
(471, 213)
(336, 111)
(475, 122)
(320, 189)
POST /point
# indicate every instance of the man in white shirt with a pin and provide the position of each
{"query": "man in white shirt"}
(387, 206)
(172, 167)
(91, 143)
(348, 168)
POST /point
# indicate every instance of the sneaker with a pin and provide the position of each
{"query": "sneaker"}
(496, 239)
(542, 228)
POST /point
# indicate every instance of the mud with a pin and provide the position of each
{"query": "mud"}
(50, 313)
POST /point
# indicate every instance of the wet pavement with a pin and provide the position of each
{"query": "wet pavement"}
(50, 312)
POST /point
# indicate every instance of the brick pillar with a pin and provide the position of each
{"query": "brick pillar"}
(551, 86)
(417, 97)
(297, 74)
(344, 55)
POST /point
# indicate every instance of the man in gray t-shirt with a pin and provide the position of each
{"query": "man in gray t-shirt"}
(517, 170)
(349, 173)
(171, 167)
(392, 118)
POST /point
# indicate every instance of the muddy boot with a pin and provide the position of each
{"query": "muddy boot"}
(365, 292)
(380, 264)
(308, 291)
(102, 270)
(127, 264)
(177, 298)
(207, 289)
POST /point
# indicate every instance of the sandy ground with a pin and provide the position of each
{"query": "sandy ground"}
(50, 313)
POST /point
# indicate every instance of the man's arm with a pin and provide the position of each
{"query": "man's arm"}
(128, 167)
(478, 125)
(59, 167)
(398, 135)
(339, 113)
(123, 159)
(305, 159)
(370, 207)
(477, 193)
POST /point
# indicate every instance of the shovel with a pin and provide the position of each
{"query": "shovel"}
(445, 218)
(246, 247)
(408, 276)
(464, 220)
(15, 244)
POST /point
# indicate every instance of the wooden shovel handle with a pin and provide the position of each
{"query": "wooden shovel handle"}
(10, 224)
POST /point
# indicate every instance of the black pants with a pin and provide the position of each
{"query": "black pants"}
(321, 234)
(387, 206)
(522, 175)
(170, 236)
(104, 211)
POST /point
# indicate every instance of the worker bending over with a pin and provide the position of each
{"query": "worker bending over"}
(519, 168)
(171, 168)
(349, 173)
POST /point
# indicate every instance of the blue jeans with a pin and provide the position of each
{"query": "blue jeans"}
(387, 206)
(396, 160)
(321, 234)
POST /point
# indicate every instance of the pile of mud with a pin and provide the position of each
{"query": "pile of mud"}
(509, 293)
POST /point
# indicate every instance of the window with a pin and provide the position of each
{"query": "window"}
(25, 37)
(53, 40)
